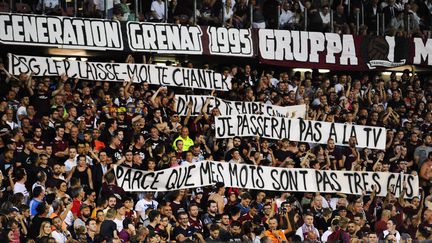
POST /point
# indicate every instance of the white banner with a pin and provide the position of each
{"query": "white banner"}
(206, 173)
(61, 32)
(228, 107)
(153, 74)
(230, 42)
(164, 38)
(299, 130)
(305, 46)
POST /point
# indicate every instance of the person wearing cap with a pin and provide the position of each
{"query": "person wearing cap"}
(219, 196)
(334, 226)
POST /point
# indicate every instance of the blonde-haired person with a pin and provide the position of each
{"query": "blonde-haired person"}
(44, 232)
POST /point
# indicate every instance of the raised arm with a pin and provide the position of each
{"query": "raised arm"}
(63, 79)
(153, 98)
(188, 114)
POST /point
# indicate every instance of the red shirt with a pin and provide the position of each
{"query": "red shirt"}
(76, 207)
(59, 146)
(380, 226)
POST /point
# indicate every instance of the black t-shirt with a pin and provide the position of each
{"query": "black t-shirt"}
(48, 134)
(336, 154)
(153, 142)
(41, 102)
(53, 182)
(114, 154)
(107, 229)
(35, 226)
(188, 232)
(141, 151)
(281, 155)
(350, 157)
(26, 159)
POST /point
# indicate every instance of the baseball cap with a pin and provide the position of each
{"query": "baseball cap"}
(199, 191)
(13, 209)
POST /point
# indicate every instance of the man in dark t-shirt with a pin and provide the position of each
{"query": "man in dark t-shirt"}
(108, 228)
(184, 232)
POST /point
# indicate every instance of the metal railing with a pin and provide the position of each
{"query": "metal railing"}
(137, 9)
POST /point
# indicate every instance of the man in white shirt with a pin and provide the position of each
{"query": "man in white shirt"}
(58, 234)
(22, 110)
(71, 161)
(19, 186)
(158, 11)
(391, 234)
(285, 15)
(145, 203)
(325, 17)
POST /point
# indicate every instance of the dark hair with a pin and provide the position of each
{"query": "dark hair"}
(153, 215)
(192, 204)
(41, 208)
(92, 219)
(234, 211)
(20, 173)
(37, 191)
(49, 198)
(127, 222)
(88, 191)
(236, 223)
(209, 202)
(214, 227)
(246, 195)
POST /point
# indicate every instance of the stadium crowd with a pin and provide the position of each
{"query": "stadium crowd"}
(60, 137)
(392, 17)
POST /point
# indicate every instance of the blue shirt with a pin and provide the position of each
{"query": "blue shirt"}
(33, 205)
(243, 210)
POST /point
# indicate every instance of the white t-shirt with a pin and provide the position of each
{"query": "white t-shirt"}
(325, 18)
(119, 223)
(20, 188)
(338, 87)
(142, 206)
(59, 237)
(22, 111)
(69, 164)
(159, 8)
(326, 234)
(398, 236)
(285, 17)
(69, 218)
